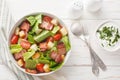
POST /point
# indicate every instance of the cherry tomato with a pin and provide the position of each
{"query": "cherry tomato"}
(57, 37)
(39, 67)
(31, 71)
(14, 39)
(25, 44)
(47, 18)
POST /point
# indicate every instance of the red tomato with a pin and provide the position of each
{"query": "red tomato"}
(14, 39)
(50, 39)
(25, 44)
(57, 37)
(31, 71)
(47, 18)
(40, 67)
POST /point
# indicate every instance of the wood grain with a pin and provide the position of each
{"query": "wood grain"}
(78, 66)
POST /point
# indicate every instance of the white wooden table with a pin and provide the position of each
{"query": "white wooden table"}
(78, 66)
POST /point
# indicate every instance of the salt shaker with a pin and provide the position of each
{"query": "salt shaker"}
(93, 5)
(75, 9)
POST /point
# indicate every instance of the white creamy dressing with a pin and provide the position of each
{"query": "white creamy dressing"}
(113, 47)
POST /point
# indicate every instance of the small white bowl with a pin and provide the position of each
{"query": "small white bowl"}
(108, 48)
(12, 31)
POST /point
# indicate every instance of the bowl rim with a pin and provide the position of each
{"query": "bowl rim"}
(98, 41)
(18, 23)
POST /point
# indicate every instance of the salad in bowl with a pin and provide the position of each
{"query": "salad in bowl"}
(39, 44)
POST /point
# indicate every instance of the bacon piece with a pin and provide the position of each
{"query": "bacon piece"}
(49, 27)
(53, 55)
(25, 44)
(43, 46)
(46, 25)
(19, 55)
(58, 58)
(25, 26)
(61, 48)
(31, 71)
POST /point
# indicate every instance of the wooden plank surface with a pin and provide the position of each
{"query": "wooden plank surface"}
(19, 8)
(83, 73)
(78, 66)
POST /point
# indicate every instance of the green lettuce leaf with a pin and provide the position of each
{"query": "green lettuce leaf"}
(31, 20)
(31, 39)
(55, 29)
(56, 66)
(65, 40)
(15, 48)
(30, 64)
(39, 18)
(28, 54)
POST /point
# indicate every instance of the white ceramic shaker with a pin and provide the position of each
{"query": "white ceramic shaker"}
(93, 5)
(75, 9)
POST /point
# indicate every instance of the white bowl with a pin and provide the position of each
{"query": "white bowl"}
(12, 31)
(111, 48)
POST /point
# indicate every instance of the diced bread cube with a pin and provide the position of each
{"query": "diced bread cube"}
(46, 68)
(17, 31)
(50, 44)
(63, 31)
(20, 62)
(34, 47)
(54, 21)
(36, 55)
(22, 34)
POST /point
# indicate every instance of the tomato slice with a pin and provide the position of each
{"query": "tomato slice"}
(25, 44)
(39, 67)
(47, 18)
(57, 37)
(14, 39)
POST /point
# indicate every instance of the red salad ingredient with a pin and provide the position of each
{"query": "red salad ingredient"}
(25, 26)
(57, 37)
(14, 39)
(31, 71)
(40, 67)
(25, 44)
